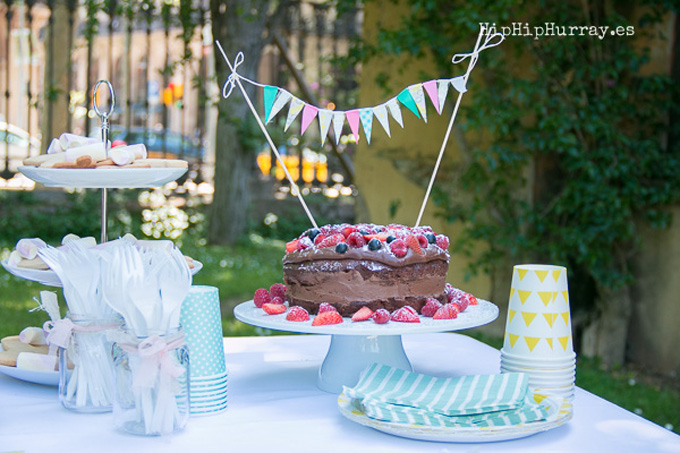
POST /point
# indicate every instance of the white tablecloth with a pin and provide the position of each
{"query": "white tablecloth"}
(275, 406)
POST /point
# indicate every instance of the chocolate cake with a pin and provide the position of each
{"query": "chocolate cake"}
(352, 266)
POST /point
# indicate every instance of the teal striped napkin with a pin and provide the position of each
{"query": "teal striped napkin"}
(395, 395)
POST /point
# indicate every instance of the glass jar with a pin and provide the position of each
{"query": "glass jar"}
(151, 383)
(86, 363)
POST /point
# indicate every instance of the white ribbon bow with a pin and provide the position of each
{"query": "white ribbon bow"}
(155, 359)
(231, 80)
(474, 55)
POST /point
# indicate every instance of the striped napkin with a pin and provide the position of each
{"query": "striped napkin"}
(395, 395)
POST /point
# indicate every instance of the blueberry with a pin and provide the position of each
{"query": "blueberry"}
(390, 238)
(341, 247)
(374, 244)
(313, 233)
(364, 232)
(431, 238)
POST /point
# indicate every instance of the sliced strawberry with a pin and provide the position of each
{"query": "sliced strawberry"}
(363, 314)
(448, 311)
(413, 243)
(411, 309)
(381, 316)
(278, 290)
(274, 309)
(442, 242)
(327, 318)
(291, 246)
(349, 230)
(261, 297)
(297, 314)
(422, 240)
(382, 237)
(404, 315)
(430, 308)
(319, 237)
(398, 248)
(472, 300)
(356, 240)
(331, 241)
(324, 307)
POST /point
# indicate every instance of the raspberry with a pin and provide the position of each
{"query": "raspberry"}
(453, 294)
(448, 311)
(274, 309)
(291, 246)
(319, 237)
(277, 300)
(398, 248)
(297, 314)
(278, 290)
(422, 240)
(362, 315)
(324, 307)
(442, 242)
(356, 240)
(404, 315)
(326, 318)
(261, 297)
(430, 308)
(331, 241)
(304, 243)
(413, 243)
(381, 316)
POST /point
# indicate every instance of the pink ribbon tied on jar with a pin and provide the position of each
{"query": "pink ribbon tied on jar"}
(155, 359)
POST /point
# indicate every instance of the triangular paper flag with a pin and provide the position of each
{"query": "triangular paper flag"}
(294, 110)
(531, 342)
(565, 315)
(511, 314)
(522, 273)
(338, 122)
(550, 318)
(395, 111)
(416, 92)
(528, 317)
(380, 112)
(405, 98)
(442, 91)
(281, 100)
(459, 84)
(366, 117)
(431, 90)
(564, 341)
(353, 121)
(513, 339)
(546, 296)
(269, 96)
(523, 295)
(556, 275)
(325, 117)
(308, 114)
(550, 342)
(541, 275)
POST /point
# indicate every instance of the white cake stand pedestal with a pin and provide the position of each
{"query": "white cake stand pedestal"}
(355, 345)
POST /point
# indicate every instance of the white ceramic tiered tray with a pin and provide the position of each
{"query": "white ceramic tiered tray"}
(102, 178)
(355, 345)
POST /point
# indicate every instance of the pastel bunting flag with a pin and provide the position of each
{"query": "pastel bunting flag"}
(325, 117)
(380, 112)
(405, 98)
(459, 84)
(366, 117)
(280, 102)
(442, 91)
(416, 92)
(431, 90)
(269, 96)
(308, 114)
(338, 122)
(294, 110)
(353, 120)
(395, 111)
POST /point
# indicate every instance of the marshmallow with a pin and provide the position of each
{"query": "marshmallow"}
(95, 150)
(69, 141)
(55, 147)
(14, 258)
(68, 238)
(36, 362)
(121, 155)
(33, 335)
(28, 248)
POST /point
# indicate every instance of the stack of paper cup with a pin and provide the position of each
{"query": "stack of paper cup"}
(538, 339)
(202, 322)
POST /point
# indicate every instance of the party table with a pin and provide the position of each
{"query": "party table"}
(276, 406)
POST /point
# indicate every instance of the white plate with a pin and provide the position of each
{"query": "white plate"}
(462, 435)
(49, 278)
(473, 316)
(36, 377)
(99, 178)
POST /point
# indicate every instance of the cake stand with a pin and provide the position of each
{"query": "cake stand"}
(355, 345)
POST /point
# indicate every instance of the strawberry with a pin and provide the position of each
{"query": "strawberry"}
(382, 237)
(448, 311)
(404, 315)
(324, 307)
(297, 314)
(349, 230)
(398, 248)
(278, 290)
(277, 300)
(411, 309)
(304, 243)
(413, 243)
(422, 240)
(356, 240)
(291, 246)
(261, 297)
(430, 308)
(326, 318)
(442, 241)
(274, 309)
(331, 241)
(362, 315)
(472, 300)
(381, 316)
(319, 237)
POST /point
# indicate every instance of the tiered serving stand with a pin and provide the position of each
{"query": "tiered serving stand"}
(355, 345)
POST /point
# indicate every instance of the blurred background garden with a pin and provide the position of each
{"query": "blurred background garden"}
(566, 150)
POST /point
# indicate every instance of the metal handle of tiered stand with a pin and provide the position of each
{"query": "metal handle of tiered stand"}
(105, 126)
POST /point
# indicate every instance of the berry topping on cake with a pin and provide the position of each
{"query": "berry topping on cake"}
(349, 230)
(261, 297)
(390, 238)
(313, 233)
(356, 240)
(319, 238)
(324, 307)
(274, 309)
(278, 290)
(304, 243)
(297, 314)
(363, 314)
(381, 316)
(327, 318)
(403, 314)
(399, 248)
(448, 311)
(341, 247)
(331, 241)
(374, 244)
(431, 238)
(430, 308)
(291, 246)
(442, 241)
(413, 243)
